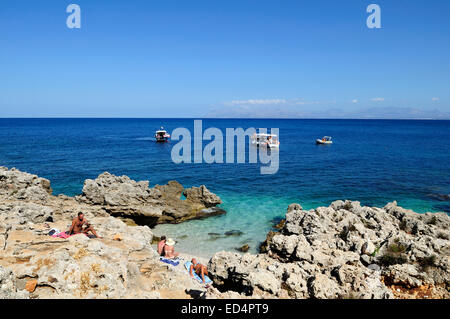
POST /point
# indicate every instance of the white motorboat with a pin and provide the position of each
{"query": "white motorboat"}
(161, 135)
(265, 140)
(324, 140)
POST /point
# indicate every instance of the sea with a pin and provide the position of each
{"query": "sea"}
(371, 161)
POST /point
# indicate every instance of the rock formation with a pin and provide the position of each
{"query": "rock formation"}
(117, 196)
(345, 251)
(341, 251)
(122, 197)
(122, 264)
(15, 184)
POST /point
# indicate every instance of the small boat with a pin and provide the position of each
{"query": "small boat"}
(265, 140)
(162, 136)
(324, 140)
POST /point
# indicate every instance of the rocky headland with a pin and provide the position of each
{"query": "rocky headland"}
(122, 264)
(117, 196)
(345, 251)
(341, 251)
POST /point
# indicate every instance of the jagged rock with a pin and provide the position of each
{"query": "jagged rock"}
(323, 287)
(329, 252)
(264, 280)
(264, 246)
(118, 196)
(406, 274)
(284, 245)
(24, 186)
(108, 189)
(297, 285)
(130, 200)
(368, 248)
(233, 233)
(8, 289)
(244, 248)
(32, 212)
(202, 195)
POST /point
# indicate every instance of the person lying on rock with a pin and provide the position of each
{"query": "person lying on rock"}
(77, 226)
(200, 270)
(169, 250)
(161, 245)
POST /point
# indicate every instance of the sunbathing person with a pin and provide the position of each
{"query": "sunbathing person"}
(199, 269)
(78, 224)
(169, 251)
(161, 245)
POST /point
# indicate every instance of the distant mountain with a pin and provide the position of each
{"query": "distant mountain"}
(275, 111)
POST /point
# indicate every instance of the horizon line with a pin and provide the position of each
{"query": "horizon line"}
(231, 118)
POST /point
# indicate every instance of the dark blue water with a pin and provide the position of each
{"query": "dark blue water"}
(373, 161)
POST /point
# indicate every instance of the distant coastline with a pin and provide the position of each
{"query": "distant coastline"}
(231, 118)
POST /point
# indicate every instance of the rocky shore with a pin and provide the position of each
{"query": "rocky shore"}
(122, 264)
(345, 251)
(341, 251)
(117, 196)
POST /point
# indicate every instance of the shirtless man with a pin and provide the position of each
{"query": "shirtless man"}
(199, 269)
(77, 226)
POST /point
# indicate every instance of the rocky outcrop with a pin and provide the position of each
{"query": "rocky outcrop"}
(125, 198)
(15, 184)
(122, 264)
(119, 196)
(201, 195)
(345, 251)
(8, 289)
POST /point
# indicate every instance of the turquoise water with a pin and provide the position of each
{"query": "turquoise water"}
(373, 161)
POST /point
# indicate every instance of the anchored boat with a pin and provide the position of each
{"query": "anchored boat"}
(162, 136)
(265, 140)
(324, 140)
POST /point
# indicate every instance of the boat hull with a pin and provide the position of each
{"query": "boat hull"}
(263, 144)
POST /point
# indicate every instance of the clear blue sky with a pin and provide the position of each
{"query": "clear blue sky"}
(191, 58)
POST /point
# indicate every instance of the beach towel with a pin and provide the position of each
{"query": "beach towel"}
(173, 262)
(187, 265)
(63, 235)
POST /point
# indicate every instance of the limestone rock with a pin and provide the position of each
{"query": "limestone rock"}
(8, 288)
(127, 199)
(368, 248)
(202, 195)
(24, 186)
(343, 251)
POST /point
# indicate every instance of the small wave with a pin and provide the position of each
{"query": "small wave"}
(145, 138)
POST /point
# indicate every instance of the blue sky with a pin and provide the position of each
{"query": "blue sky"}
(225, 58)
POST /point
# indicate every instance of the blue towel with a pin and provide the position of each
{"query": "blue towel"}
(173, 262)
(187, 265)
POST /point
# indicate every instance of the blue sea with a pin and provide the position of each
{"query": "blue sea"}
(372, 161)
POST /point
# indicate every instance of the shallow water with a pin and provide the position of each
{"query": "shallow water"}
(374, 161)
